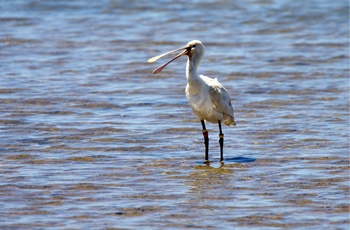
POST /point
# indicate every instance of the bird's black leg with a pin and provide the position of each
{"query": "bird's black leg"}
(221, 141)
(206, 140)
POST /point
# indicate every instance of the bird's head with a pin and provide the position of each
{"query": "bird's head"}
(194, 50)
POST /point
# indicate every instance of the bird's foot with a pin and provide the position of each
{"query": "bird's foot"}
(206, 162)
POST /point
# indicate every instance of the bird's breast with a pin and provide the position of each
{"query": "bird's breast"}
(193, 87)
(192, 91)
(198, 99)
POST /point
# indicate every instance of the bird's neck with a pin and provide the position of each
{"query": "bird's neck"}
(193, 79)
(191, 70)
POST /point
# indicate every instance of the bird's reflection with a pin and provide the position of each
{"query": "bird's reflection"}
(207, 178)
(215, 180)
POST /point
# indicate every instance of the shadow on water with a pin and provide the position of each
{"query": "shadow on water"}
(229, 160)
(240, 159)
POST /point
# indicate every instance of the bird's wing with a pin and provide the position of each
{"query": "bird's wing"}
(220, 99)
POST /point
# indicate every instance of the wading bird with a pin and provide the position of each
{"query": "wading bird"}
(208, 99)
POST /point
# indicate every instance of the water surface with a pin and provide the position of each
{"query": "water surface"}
(91, 139)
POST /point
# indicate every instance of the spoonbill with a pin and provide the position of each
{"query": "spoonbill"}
(208, 99)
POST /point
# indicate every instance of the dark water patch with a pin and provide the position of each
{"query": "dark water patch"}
(11, 122)
(11, 90)
(138, 211)
(12, 41)
(84, 186)
(81, 159)
(95, 131)
(91, 104)
(20, 156)
(36, 102)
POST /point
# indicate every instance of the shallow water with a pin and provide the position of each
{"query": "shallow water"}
(91, 139)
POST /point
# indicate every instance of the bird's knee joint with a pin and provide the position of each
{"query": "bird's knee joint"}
(205, 133)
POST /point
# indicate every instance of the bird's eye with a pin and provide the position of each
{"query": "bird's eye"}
(193, 46)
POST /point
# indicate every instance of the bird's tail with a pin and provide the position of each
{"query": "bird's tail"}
(229, 121)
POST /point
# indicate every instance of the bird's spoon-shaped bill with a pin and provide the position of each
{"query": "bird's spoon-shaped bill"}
(160, 68)
(162, 55)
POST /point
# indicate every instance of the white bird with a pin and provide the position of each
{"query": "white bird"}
(208, 99)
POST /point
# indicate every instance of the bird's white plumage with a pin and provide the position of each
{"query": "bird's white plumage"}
(208, 99)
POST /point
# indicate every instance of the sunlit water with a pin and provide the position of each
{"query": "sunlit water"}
(89, 138)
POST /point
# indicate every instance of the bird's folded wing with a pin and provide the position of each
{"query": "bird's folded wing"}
(221, 100)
